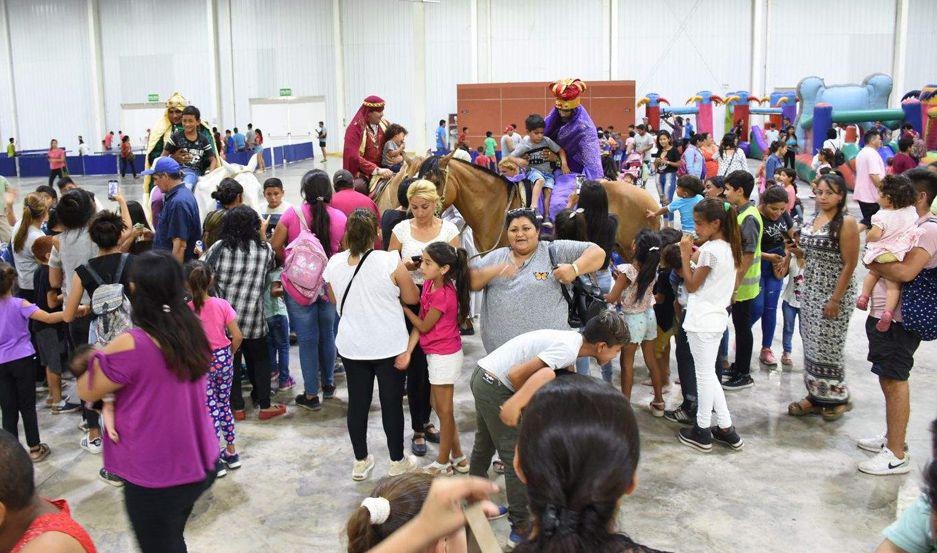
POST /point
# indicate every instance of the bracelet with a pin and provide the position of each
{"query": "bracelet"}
(576, 268)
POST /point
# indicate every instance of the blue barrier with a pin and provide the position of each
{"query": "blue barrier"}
(243, 158)
(7, 166)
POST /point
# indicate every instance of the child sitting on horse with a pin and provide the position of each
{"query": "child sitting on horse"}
(540, 165)
(393, 149)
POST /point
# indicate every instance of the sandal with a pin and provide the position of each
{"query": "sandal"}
(460, 464)
(39, 454)
(498, 466)
(658, 408)
(797, 408)
(836, 412)
(438, 469)
(432, 435)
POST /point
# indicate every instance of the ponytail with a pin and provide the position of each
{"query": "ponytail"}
(198, 276)
(647, 246)
(456, 259)
(317, 191)
(33, 210)
(402, 497)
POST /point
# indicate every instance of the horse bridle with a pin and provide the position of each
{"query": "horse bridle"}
(511, 193)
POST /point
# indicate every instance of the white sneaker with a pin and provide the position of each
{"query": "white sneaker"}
(92, 446)
(886, 463)
(872, 444)
(362, 469)
(407, 464)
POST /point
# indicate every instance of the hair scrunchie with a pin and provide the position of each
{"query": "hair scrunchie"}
(378, 508)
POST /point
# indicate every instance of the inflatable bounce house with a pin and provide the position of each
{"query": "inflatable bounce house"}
(702, 109)
(782, 105)
(861, 105)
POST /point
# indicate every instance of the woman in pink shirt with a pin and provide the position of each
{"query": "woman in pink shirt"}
(313, 320)
(56, 157)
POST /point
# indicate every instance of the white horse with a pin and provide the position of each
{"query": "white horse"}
(244, 174)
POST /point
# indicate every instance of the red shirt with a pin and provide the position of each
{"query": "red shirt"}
(901, 163)
(61, 522)
(125, 149)
(348, 200)
(482, 159)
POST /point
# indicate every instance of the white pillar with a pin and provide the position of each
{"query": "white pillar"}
(612, 39)
(759, 47)
(12, 128)
(483, 38)
(339, 50)
(419, 78)
(900, 50)
(97, 72)
(473, 33)
(214, 62)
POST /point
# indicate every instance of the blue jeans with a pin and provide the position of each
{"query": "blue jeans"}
(668, 186)
(315, 331)
(278, 342)
(189, 177)
(604, 276)
(766, 304)
(790, 317)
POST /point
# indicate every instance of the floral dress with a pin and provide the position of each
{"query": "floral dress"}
(824, 339)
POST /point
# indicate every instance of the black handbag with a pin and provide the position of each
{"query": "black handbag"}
(584, 301)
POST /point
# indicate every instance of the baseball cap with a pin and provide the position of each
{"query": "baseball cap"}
(508, 129)
(164, 165)
(342, 175)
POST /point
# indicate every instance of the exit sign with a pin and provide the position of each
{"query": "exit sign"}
(153, 97)
(286, 92)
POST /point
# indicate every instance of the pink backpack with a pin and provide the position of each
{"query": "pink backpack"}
(305, 262)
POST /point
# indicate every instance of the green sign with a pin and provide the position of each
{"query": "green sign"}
(153, 97)
(286, 92)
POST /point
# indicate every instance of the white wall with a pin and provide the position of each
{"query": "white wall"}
(414, 54)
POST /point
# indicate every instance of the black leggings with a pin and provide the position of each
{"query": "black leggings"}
(77, 335)
(257, 361)
(53, 173)
(359, 377)
(789, 158)
(418, 384)
(158, 515)
(18, 397)
(124, 164)
(742, 322)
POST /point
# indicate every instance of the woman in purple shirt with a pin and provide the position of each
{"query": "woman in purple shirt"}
(166, 449)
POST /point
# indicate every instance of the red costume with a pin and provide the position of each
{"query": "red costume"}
(364, 143)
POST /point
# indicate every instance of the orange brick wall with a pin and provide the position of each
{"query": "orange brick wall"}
(493, 106)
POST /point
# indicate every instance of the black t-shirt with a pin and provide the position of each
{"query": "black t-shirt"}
(772, 239)
(389, 220)
(106, 267)
(41, 288)
(672, 155)
(200, 150)
(663, 311)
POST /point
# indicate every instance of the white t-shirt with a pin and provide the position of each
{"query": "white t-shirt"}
(557, 348)
(706, 307)
(644, 142)
(372, 325)
(794, 285)
(772, 135)
(410, 246)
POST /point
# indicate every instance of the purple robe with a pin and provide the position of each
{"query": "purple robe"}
(580, 139)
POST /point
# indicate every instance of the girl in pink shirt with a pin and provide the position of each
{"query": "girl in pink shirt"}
(56, 157)
(217, 316)
(444, 305)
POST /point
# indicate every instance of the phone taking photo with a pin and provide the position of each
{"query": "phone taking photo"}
(418, 259)
(112, 189)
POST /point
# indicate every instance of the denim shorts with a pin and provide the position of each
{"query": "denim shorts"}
(641, 326)
(533, 175)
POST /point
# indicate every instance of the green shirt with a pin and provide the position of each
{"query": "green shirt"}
(490, 146)
(11, 150)
(912, 531)
(273, 306)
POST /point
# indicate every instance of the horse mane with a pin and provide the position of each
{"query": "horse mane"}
(482, 169)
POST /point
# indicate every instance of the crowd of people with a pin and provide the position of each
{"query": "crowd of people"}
(183, 315)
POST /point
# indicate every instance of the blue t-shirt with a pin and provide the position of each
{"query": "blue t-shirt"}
(771, 166)
(239, 141)
(912, 531)
(440, 138)
(685, 207)
(179, 219)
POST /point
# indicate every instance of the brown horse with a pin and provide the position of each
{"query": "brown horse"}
(482, 197)
(386, 196)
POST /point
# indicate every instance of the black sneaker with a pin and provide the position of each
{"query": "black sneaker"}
(678, 416)
(738, 382)
(328, 392)
(65, 407)
(698, 438)
(728, 437)
(306, 403)
(111, 478)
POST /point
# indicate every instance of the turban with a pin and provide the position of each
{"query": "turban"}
(568, 93)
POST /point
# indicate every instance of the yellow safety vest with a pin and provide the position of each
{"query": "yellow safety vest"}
(751, 282)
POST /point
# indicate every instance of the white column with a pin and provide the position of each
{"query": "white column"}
(339, 50)
(12, 128)
(483, 38)
(900, 49)
(612, 39)
(419, 78)
(214, 62)
(759, 47)
(473, 32)
(97, 72)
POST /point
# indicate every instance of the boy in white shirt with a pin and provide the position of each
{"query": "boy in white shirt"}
(276, 205)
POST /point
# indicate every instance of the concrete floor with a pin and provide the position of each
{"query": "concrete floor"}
(793, 487)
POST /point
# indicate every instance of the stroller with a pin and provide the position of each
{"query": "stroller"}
(634, 166)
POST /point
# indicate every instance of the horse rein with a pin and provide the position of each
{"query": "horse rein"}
(507, 208)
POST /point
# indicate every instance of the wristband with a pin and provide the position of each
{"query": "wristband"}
(576, 268)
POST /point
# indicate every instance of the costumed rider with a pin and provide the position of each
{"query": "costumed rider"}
(160, 133)
(364, 144)
(570, 126)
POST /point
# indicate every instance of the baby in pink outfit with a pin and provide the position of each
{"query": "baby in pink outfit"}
(893, 234)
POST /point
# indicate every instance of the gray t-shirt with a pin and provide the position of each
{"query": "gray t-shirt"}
(557, 348)
(389, 147)
(646, 141)
(534, 153)
(750, 233)
(75, 248)
(531, 300)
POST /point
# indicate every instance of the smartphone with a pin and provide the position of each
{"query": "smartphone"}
(112, 188)
(579, 181)
(417, 259)
(139, 226)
